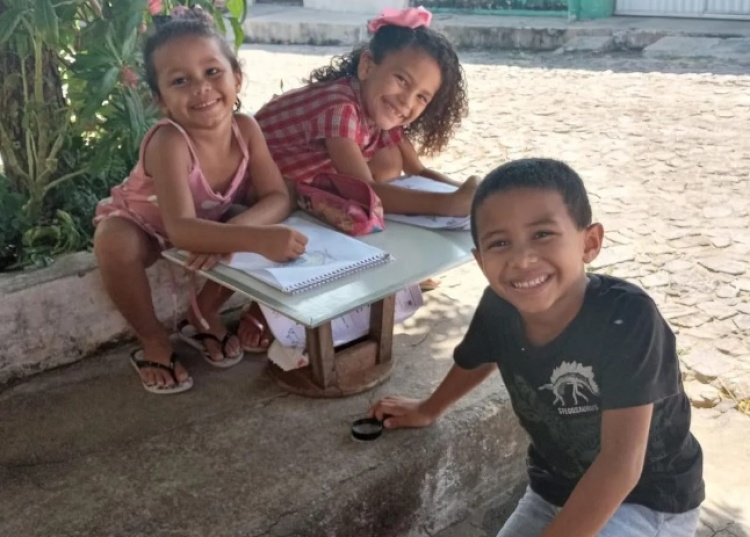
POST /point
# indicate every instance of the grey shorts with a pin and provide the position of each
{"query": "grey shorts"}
(533, 514)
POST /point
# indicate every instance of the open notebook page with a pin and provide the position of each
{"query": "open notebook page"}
(329, 255)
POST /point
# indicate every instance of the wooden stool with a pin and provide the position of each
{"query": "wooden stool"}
(352, 369)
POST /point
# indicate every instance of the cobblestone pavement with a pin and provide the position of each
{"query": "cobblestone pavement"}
(664, 150)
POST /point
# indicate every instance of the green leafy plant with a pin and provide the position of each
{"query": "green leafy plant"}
(12, 222)
(73, 111)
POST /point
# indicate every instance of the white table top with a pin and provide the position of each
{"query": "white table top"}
(418, 254)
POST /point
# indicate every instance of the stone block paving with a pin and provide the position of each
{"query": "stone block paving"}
(663, 148)
(664, 151)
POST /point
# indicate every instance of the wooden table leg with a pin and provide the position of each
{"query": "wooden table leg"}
(381, 327)
(321, 354)
(354, 368)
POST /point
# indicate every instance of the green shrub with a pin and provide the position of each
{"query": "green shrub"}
(73, 111)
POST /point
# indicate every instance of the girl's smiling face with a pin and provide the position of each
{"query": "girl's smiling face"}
(197, 85)
(397, 90)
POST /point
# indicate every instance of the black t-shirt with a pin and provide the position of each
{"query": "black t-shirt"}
(618, 352)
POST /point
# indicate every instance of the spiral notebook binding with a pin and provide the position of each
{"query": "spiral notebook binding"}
(311, 283)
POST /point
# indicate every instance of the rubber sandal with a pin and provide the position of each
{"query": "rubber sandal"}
(177, 387)
(195, 339)
(248, 316)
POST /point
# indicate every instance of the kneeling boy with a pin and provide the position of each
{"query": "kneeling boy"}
(590, 365)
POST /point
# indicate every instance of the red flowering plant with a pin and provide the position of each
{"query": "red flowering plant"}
(73, 110)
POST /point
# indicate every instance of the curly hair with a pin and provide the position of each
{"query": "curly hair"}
(434, 128)
(191, 22)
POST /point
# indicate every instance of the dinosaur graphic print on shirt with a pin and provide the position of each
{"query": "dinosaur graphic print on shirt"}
(575, 380)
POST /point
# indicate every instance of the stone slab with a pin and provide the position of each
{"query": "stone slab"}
(678, 47)
(589, 43)
(707, 363)
(60, 314)
(238, 456)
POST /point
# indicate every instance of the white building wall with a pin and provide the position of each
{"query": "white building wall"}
(370, 7)
(685, 8)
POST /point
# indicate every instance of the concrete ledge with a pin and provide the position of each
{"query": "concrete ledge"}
(57, 315)
(236, 456)
(731, 49)
(297, 25)
(594, 44)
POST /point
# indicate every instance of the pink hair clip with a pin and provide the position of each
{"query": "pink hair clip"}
(408, 18)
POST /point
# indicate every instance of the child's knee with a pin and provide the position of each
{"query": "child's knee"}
(118, 241)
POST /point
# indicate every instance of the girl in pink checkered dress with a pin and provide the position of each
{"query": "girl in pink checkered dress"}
(362, 114)
(194, 166)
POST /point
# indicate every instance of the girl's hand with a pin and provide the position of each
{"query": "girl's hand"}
(401, 412)
(281, 243)
(206, 261)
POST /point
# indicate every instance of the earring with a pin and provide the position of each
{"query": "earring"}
(237, 105)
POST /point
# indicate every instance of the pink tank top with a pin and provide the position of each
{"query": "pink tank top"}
(135, 198)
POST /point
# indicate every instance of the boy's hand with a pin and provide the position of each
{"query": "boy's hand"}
(282, 244)
(401, 412)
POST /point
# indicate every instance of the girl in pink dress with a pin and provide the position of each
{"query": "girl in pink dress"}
(195, 166)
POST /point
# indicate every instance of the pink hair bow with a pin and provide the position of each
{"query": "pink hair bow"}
(408, 18)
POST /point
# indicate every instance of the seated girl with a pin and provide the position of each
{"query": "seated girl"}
(362, 114)
(197, 163)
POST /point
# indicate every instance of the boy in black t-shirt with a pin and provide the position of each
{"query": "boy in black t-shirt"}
(590, 365)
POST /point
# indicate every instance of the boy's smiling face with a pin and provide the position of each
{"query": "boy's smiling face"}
(533, 254)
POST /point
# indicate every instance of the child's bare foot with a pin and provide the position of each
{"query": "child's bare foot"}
(221, 349)
(253, 330)
(459, 202)
(430, 284)
(159, 351)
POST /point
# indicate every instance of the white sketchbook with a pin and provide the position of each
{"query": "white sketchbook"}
(330, 255)
(460, 223)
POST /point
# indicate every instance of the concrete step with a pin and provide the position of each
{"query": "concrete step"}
(86, 451)
(297, 25)
(677, 47)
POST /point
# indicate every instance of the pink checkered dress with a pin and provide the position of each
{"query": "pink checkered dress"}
(297, 123)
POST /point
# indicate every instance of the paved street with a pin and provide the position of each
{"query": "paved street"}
(664, 150)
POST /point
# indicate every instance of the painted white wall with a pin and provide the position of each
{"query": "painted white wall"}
(369, 7)
(685, 8)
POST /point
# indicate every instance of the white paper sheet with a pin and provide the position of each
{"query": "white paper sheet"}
(346, 328)
(459, 223)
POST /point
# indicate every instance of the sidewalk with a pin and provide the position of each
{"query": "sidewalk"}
(273, 24)
(85, 451)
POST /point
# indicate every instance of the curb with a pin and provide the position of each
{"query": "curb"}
(291, 25)
(61, 314)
